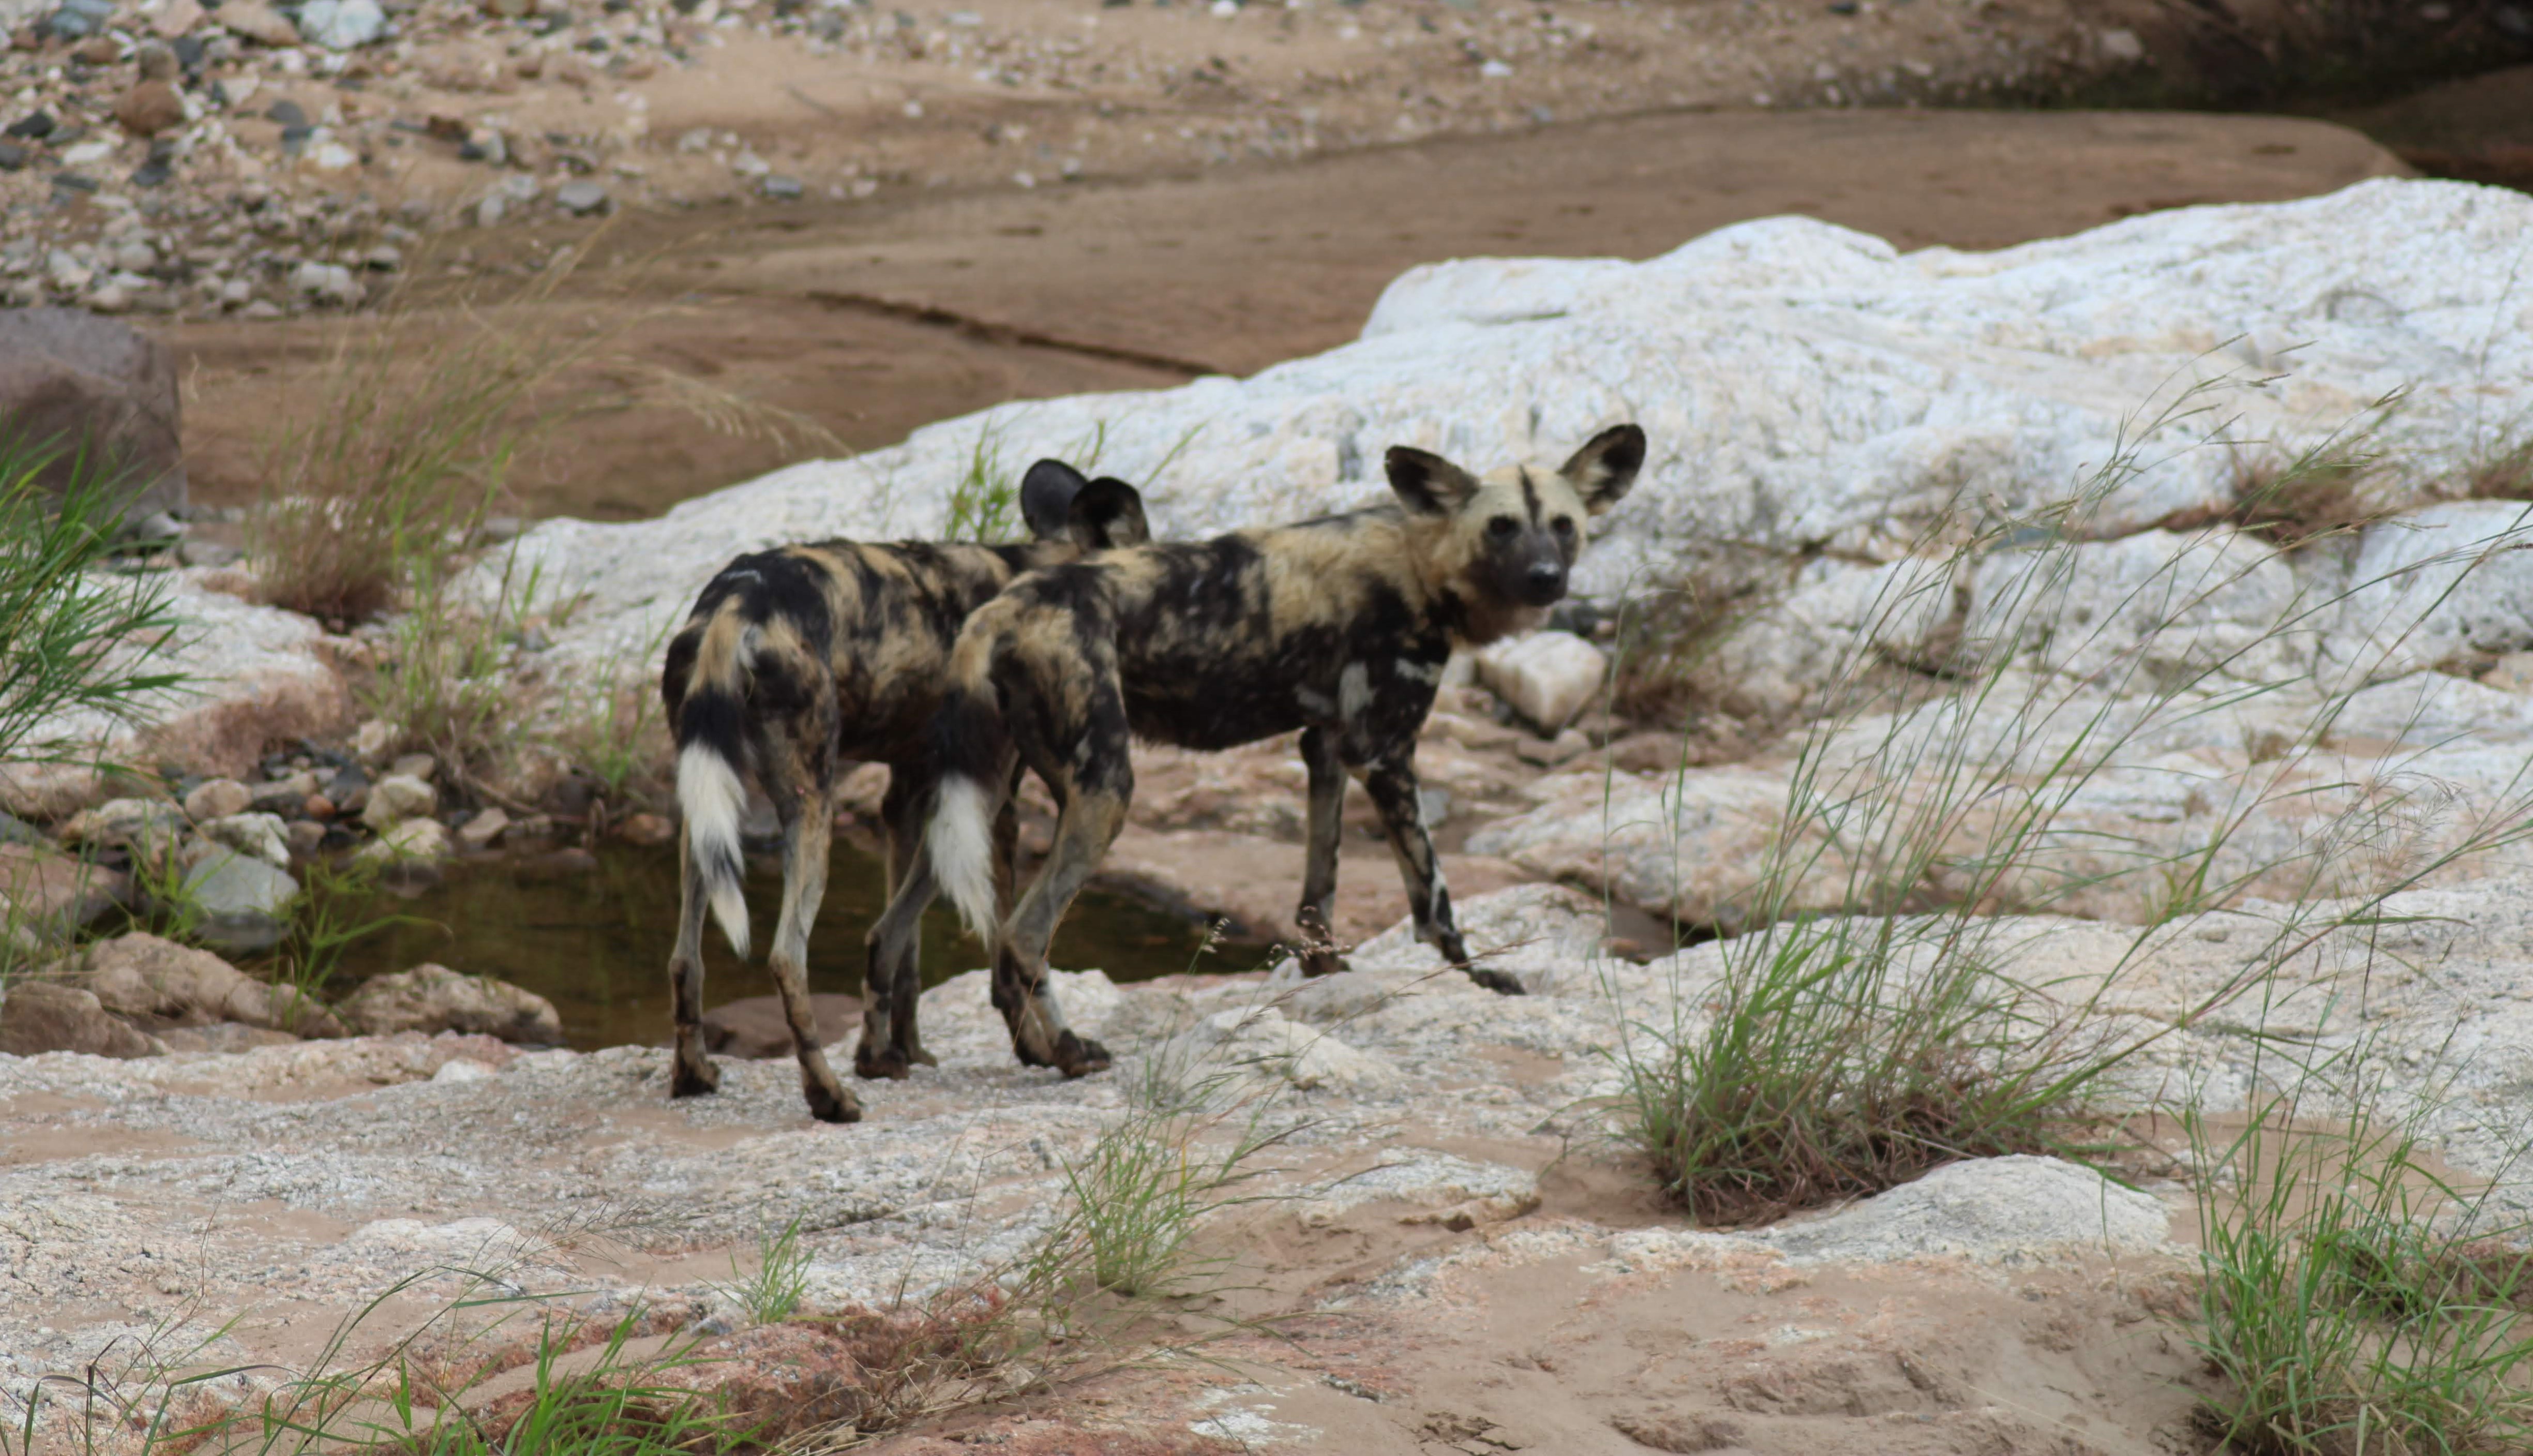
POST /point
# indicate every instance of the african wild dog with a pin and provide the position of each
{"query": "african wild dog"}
(1339, 626)
(803, 659)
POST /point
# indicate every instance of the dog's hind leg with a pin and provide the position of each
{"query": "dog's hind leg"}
(1083, 834)
(691, 1073)
(893, 983)
(1318, 951)
(1391, 783)
(807, 824)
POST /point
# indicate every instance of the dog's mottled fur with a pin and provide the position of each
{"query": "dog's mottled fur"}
(795, 663)
(1337, 626)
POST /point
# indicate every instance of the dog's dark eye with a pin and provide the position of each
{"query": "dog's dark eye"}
(1565, 525)
(1502, 527)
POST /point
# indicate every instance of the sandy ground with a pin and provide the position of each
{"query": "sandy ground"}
(871, 319)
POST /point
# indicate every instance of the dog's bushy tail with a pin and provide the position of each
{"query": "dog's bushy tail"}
(711, 733)
(972, 746)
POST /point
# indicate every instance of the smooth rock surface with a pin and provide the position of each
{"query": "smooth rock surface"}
(1803, 388)
(2010, 1210)
(40, 1017)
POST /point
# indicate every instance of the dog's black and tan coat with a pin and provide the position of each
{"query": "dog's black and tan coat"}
(797, 663)
(1337, 626)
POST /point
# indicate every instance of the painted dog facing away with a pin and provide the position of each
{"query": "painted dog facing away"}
(1339, 626)
(796, 662)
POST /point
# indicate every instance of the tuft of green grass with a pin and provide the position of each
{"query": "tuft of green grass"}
(1861, 1029)
(774, 1290)
(2354, 1297)
(80, 635)
(986, 498)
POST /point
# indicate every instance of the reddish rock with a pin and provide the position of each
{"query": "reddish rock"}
(74, 377)
(151, 107)
(38, 1017)
(645, 828)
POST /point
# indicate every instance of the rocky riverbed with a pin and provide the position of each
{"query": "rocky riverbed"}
(2024, 497)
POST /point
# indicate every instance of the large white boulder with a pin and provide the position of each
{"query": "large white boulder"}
(1805, 390)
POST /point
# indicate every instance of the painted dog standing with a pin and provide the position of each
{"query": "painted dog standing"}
(795, 662)
(1339, 626)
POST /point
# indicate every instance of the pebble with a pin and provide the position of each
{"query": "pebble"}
(780, 187)
(582, 198)
(151, 107)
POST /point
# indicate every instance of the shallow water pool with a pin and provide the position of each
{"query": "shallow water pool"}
(595, 940)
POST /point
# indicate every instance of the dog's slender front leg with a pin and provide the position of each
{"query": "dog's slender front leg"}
(1318, 951)
(1391, 783)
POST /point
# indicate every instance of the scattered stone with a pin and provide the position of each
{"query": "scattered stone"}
(38, 1017)
(286, 113)
(126, 824)
(35, 126)
(175, 17)
(398, 797)
(486, 827)
(780, 187)
(258, 835)
(326, 282)
(68, 376)
(342, 25)
(285, 796)
(582, 198)
(420, 766)
(411, 852)
(258, 22)
(79, 18)
(154, 105)
(433, 998)
(371, 740)
(244, 902)
(303, 837)
(1547, 678)
(645, 829)
(217, 798)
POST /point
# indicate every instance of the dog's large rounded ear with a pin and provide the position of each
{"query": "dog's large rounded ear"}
(1106, 514)
(1428, 484)
(1046, 498)
(1606, 466)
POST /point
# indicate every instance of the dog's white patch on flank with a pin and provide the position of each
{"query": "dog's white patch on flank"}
(1410, 668)
(712, 798)
(1313, 702)
(1354, 691)
(961, 840)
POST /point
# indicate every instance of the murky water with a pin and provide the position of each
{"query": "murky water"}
(595, 941)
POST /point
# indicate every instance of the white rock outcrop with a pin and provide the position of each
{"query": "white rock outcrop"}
(1804, 387)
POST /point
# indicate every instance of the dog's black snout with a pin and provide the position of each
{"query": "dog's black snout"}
(1548, 578)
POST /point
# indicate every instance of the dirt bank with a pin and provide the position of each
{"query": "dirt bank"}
(872, 318)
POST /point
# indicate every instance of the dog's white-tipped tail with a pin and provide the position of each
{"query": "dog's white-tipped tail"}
(713, 799)
(961, 843)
